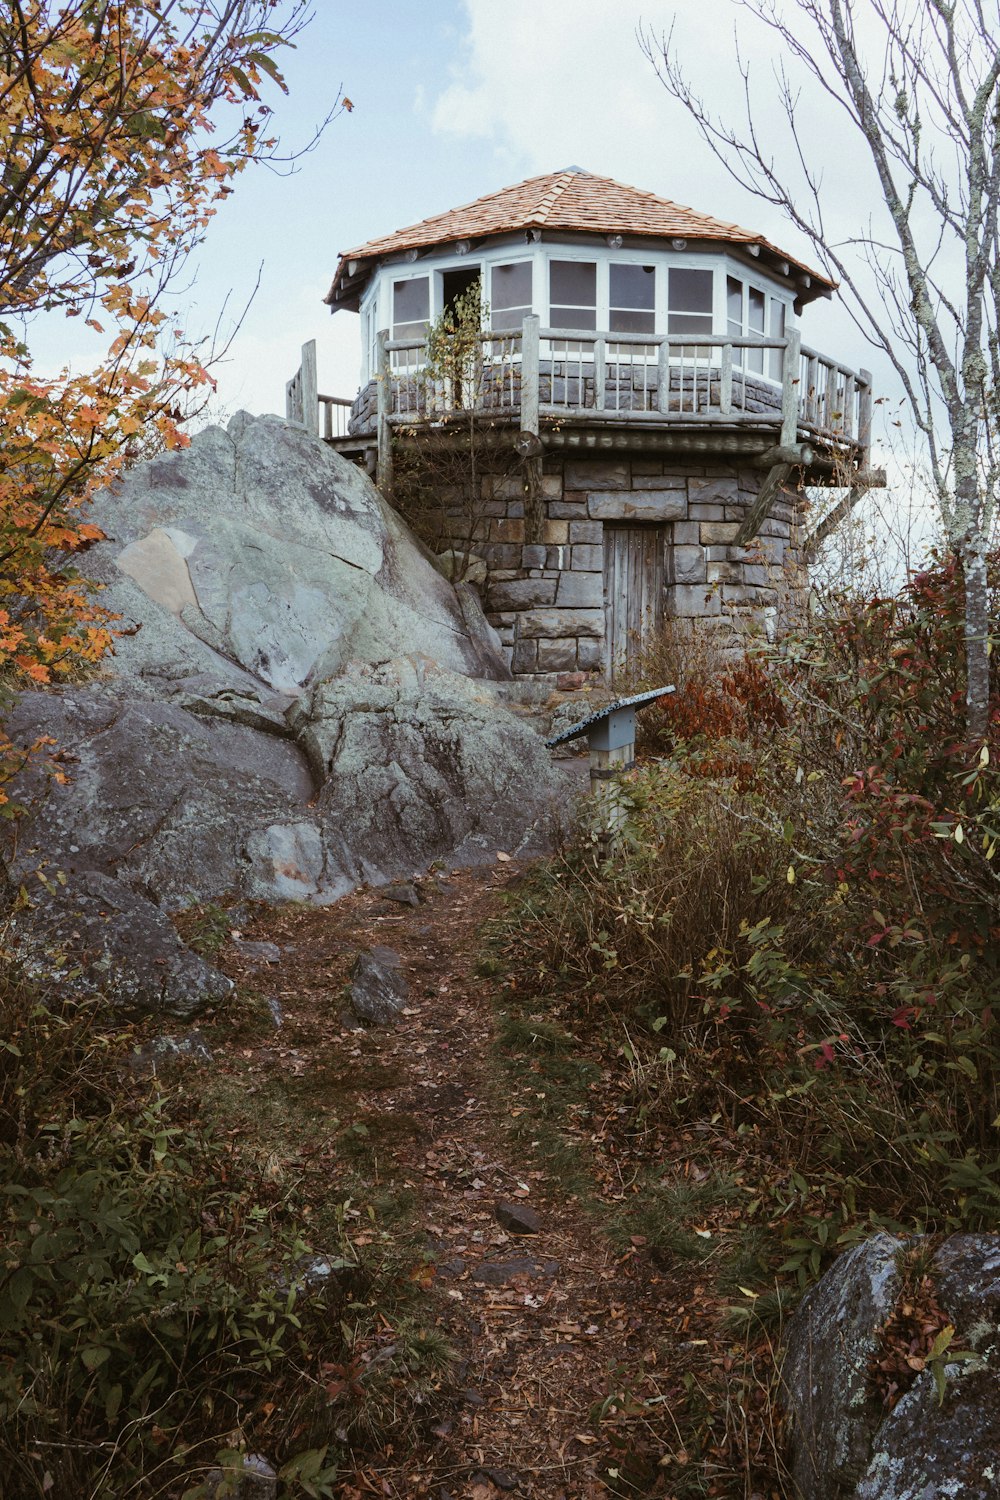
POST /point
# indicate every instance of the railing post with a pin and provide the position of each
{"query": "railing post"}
(725, 381)
(529, 373)
(310, 389)
(383, 472)
(864, 418)
(663, 377)
(790, 389)
(600, 375)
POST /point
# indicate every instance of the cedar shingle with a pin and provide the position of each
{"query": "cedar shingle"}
(569, 200)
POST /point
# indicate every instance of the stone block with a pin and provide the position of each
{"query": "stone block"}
(689, 565)
(556, 557)
(685, 471)
(719, 488)
(653, 505)
(757, 576)
(695, 599)
(580, 590)
(507, 531)
(586, 531)
(496, 556)
(686, 533)
(706, 512)
(533, 556)
(596, 474)
(559, 623)
(587, 558)
(722, 572)
(552, 486)
(588, 655)
(718, 533)
(557, 655)
(525, 658)
(569, 510)
(659, 482)
(644, 467)
(515, 510)
(522, 593)
(556, 532)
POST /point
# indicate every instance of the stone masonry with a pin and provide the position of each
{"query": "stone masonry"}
(546, 598)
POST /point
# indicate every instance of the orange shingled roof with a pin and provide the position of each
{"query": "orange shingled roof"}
(568, 200)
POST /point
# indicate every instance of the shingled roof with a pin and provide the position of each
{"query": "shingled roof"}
(571, 200)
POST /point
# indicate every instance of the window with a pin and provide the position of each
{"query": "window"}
(751, 312)
(411, 307)
(631, 299)
(689, 301)
(573, 294)
(510, 294)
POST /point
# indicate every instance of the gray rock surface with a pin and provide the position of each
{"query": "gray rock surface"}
(378, 990)
(298, 703)
(94, 934)
(843, 1445)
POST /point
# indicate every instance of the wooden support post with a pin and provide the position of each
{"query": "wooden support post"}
(790, 382)
(600, 373)
(726, 381)
(529, 374)
(383, 472)
(310, 389)
(864, 419)
(663, 378)
(605, 769)
(534, 506)
(757, 513)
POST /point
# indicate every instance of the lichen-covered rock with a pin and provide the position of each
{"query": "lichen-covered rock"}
(844, 1445)
(378, 989)
(825, 1373)
(298, 701)
(96, 935)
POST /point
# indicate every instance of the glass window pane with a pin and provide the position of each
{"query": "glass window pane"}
(632, 286)
(411, 301)
(684, 323)
(511, 286)
(573, 317)
(573, 283)
(508, 317)
(755, 310)
(623, 320)
(690, 291)
(734, 304)
(409, 330)
(775, 358)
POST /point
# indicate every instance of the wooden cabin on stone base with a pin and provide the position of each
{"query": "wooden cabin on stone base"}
(646, 414)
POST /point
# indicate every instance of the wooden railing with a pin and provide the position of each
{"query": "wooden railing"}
(326, 416)
(528, 374)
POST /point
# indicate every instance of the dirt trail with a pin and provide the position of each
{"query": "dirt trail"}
(548, 1327)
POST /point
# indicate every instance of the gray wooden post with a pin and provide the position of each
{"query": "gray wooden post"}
(790, 386)
(383, 385)
(310, 389)
(663, 377)
(600, 373)
(529, 373)
(864, 419)
(726, 381)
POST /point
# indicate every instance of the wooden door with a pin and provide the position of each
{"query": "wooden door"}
(633, 594)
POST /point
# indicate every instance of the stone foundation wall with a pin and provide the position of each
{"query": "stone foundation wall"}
(546, 597)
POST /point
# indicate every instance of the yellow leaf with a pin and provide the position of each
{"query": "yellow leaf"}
(790, 874)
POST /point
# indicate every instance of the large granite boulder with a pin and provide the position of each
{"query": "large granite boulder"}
(844, 1443)
(298, 701)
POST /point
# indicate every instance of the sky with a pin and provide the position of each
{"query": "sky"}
(453, 99)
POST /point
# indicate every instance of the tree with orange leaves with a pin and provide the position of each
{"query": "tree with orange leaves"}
(122, 125)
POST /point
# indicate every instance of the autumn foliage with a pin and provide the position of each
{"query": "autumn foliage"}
(122, 125)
